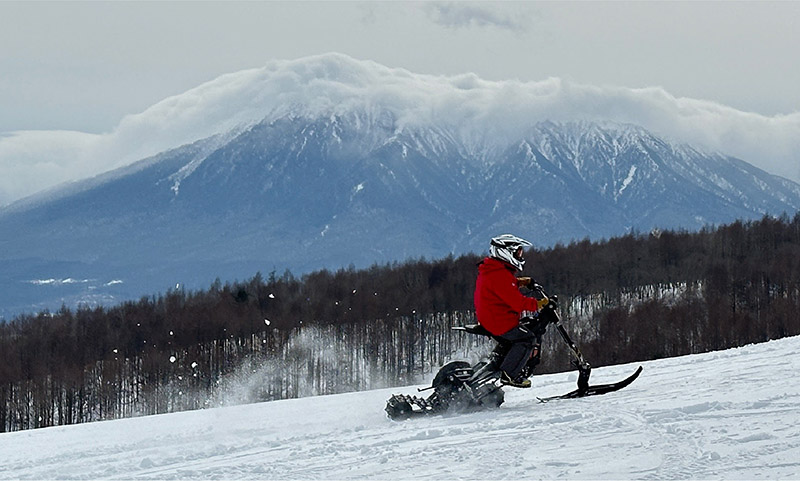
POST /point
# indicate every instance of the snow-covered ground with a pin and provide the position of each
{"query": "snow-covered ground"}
(724, 415)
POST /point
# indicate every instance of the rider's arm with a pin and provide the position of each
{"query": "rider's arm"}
(510, 294)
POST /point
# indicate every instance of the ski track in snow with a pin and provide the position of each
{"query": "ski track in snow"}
(724, 415)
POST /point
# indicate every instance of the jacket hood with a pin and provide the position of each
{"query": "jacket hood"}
(491, 264)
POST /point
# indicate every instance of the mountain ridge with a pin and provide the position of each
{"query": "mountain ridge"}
(362, 187)
(334, 84)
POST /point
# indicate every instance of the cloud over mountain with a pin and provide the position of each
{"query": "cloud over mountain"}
(335, 83)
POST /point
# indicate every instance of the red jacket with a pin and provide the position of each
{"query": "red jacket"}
(498, 301)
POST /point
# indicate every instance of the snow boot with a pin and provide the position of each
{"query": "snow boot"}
(506, 380)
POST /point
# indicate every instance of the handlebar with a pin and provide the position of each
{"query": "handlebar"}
(536, 287)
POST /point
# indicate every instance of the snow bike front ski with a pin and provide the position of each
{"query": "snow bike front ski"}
(597, 389)
(460, 387)
(584, 368)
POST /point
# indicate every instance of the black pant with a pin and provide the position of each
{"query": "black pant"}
(522, 343)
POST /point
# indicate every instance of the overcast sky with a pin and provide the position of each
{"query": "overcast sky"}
(85, 66)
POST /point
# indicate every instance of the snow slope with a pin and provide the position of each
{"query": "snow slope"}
(730, 415)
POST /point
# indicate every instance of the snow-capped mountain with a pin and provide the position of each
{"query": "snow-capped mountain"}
(329, 162)
(358, 188)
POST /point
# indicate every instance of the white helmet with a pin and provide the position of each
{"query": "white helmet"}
(505, 248)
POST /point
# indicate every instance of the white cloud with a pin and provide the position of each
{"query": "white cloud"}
(34, 160)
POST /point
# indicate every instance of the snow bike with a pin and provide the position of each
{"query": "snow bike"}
(461, 387)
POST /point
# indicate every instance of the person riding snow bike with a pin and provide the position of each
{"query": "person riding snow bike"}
(499, 304)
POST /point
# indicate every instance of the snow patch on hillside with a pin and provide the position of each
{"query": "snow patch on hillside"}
(626, 182)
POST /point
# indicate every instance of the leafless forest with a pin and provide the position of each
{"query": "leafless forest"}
(636, 297)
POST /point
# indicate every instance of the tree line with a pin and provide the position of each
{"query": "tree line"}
(630, 298)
